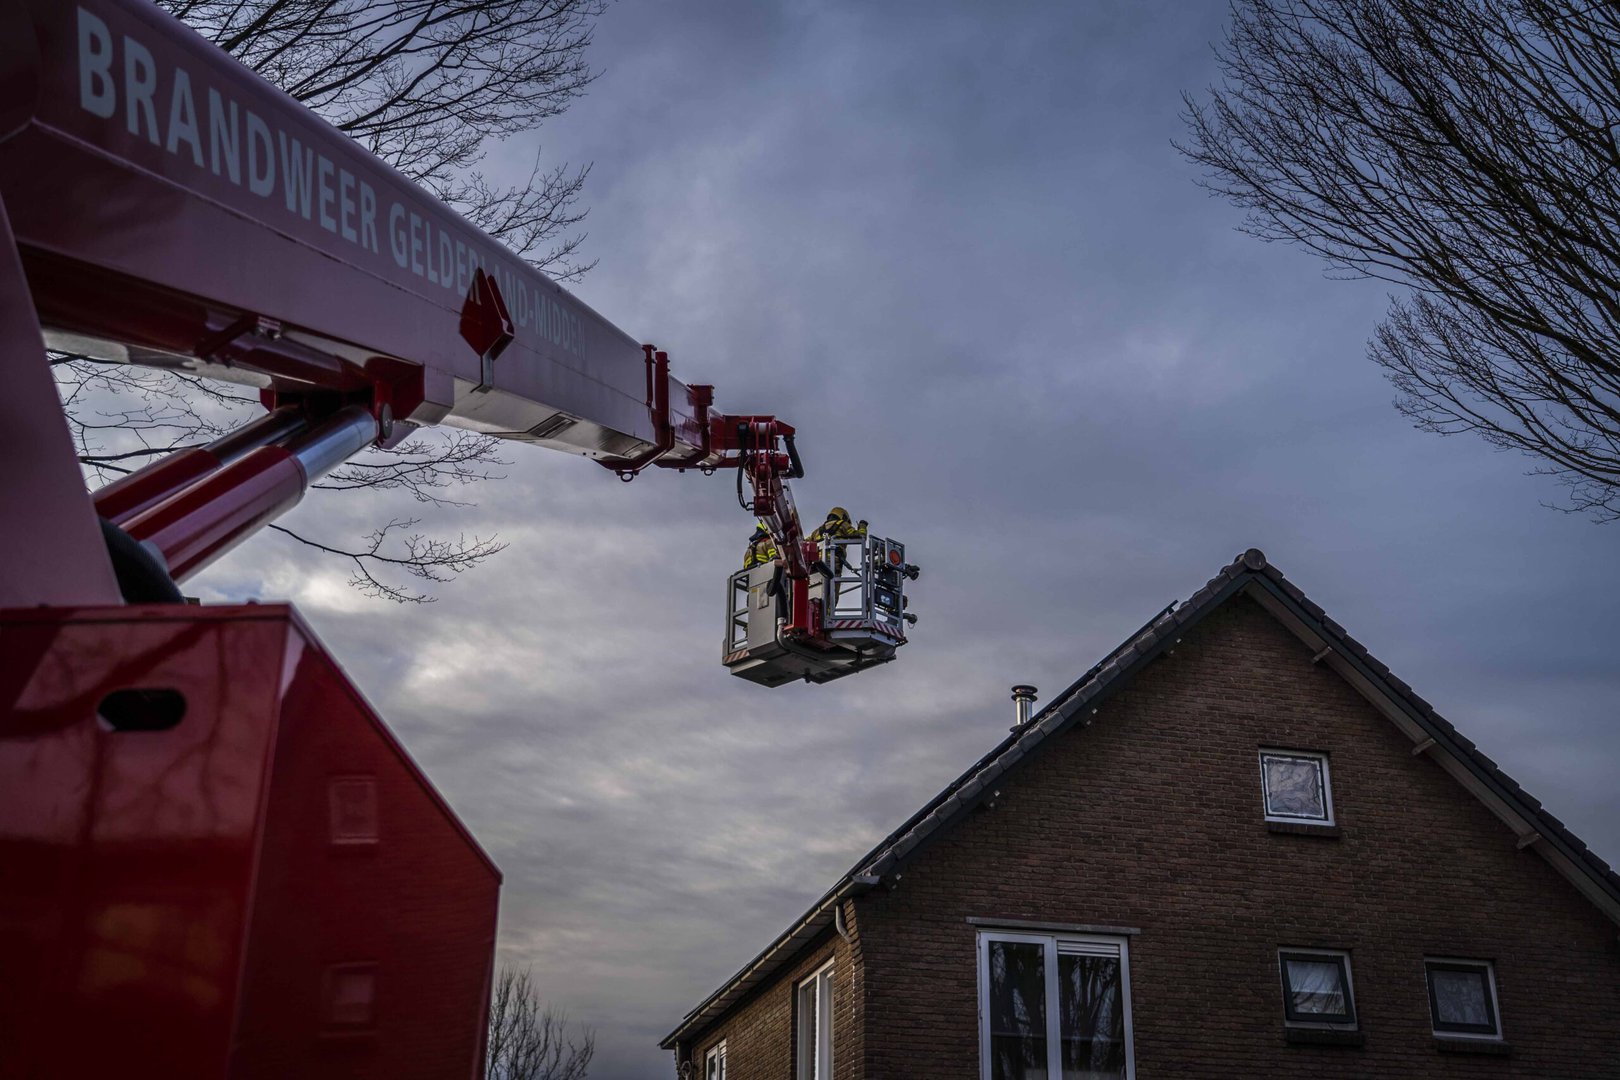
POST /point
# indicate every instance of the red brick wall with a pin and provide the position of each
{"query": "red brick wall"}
(1152, 818)
(418, 907)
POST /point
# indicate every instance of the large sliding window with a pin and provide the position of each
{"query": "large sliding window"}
(815, 1017)
(1054, 1006)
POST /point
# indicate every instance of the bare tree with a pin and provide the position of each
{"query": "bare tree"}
(428, 86)
(1468, 150)
(530, 1042)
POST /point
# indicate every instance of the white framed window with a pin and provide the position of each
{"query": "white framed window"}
(1317, 988)
(714, 1062)
(1462, 997)
(1054, 1006)
(1296, 786)
(814, 1008)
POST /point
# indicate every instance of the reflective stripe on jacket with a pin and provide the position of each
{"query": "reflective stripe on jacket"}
(760, 551)
(836, 529)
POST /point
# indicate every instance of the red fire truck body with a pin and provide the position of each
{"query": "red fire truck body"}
(220, 863)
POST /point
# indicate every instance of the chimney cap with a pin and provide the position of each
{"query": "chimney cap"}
(1023, 690)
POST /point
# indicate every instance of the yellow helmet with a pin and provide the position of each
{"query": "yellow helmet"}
(838, 512)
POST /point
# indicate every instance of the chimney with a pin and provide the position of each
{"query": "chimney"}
(1023, 701)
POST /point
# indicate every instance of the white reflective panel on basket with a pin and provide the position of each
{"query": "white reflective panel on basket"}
(848, 589)
(1294, 787)
(1017, 1010)
(1092, 1013)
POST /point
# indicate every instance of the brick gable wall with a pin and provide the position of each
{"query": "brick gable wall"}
(1151, 818)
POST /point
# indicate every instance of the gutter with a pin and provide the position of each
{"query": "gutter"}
(776, 953)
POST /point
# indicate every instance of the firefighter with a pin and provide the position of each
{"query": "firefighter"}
(762, 552)
(761, 548)
(838, 527)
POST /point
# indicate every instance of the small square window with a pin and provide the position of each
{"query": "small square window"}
(1296, 786)
(1316, 988)
(349, 995)
(1462, 997)
(351, 803)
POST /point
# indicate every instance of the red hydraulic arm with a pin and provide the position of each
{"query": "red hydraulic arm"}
(160, 205)
(751, 443)
(761, 449)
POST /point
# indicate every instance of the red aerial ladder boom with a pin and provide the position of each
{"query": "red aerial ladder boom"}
(218, 860)
(172, 209)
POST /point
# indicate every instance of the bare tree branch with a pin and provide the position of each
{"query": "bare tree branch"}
(425, 558)
(1467, 151)
(427, 85)
(119, 412)
(530, 1042)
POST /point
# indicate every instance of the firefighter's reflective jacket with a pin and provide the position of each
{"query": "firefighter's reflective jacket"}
(761, 549)
(838, 527)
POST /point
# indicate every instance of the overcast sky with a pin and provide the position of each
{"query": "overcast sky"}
(952, 243)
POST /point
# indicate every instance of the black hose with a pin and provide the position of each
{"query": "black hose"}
(745, 436)
(142, 577)
(796, 466)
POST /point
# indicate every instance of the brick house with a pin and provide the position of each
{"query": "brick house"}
(1238, 846)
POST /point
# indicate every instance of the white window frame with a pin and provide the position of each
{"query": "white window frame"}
(1342, 955)
(1054, 1041)
(814, 1055)
(716, 1056)
(1322, 764)
(1490, 986)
